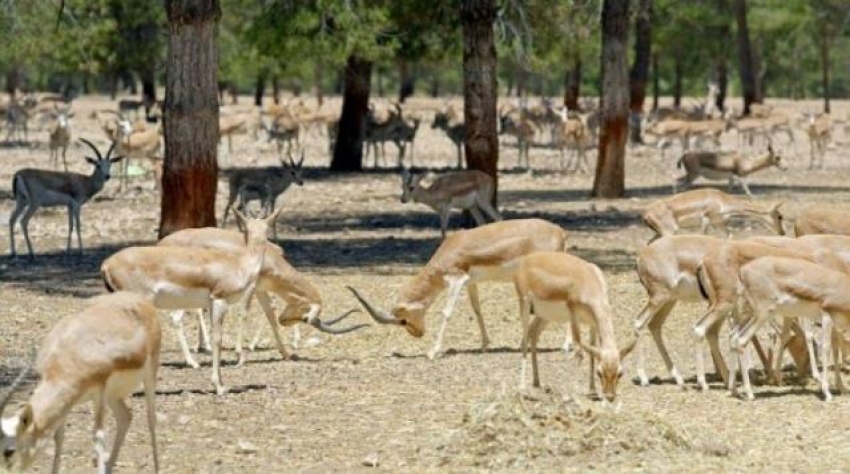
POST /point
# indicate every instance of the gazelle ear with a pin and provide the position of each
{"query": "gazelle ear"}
(25, 419)
(91, 160)
(590, 350)
(240, 218)
(273, 215)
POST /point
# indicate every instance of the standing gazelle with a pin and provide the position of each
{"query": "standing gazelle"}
(561, 288)
(179, 278)
(35, 188)
(102, 354)
(465, 259)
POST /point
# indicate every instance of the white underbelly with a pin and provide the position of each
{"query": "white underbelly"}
(170, 297)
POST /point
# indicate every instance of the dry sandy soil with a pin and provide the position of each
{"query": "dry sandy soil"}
(371, 397)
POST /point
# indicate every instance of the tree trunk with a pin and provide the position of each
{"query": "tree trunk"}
(13, 79)
(677, 80)
(824, 64)
(348, 153)
(572, 83)
(276, 89)
(610, 167)
(148, 88)
(656, 81)
(406, 80)
(479, 87)
(380, 82)
(259, 89)
(722, 78)
(434, 86)
(640, 68)
(190, 175)
(745, 56)
(318, 74)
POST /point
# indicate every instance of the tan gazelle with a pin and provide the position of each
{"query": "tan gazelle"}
(103, 353)
(465, 259)
(560, 288)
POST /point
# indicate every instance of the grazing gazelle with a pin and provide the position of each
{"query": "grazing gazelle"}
(464, 259)
(470, 190)
(707, 207)
(560, 288)
(277, 277)
(179, 278)
(102, 353)
(730, 166)
(35, 188)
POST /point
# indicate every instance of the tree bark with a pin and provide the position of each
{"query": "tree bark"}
(190, 174)
(318, 74)
(722, 77)
(572, 83)
(656, 81)
(824, 63)
(610, 167)
(259, 89)
(348, 153)
(407, 81)
(745, 56)
(721, 72)
(640, 68)
(677, 80)
(479, 87)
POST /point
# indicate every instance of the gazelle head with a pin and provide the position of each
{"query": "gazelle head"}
(17, 432)
(409, 315)
(293, 169)
(409, 184)
(63, 116)
(102, 164)
(775, 159)
(255, 229)
(609, 370)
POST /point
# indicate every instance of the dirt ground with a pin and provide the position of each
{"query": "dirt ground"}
(372, 397)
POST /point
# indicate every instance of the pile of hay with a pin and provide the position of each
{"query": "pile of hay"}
(516, 430)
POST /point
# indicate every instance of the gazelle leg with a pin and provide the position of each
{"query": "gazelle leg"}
(77, 226)
(203, 332)
(534, 330)
(100, 454)
(150, 407)
(826, 343)
(177, 324)
(58, 441)
(123, 417)
(217, 309)
(265, 304)
(474, 299)
(456, 284)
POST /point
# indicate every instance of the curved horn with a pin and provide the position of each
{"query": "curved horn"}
(381, 317)
(628, 348)
(328, 326)
(97, 152)
(590, 350)
(109, 152)
(339, 318)
(15, 384)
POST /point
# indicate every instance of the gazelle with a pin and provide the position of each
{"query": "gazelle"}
(819, 131)
(381, 130)
(465, 259)
(707, 207)
(264, 184)
(574, 133)
(822, 221)
(103, 353)
(454, 130)
(730, 166)
(180, 278)
(229, 125)
(788, 287)
(35, 188)
(277, 277)
(60, 136)
(145, 144)
(523, 129)
(565, 289)
(470, 190)
(284, 130)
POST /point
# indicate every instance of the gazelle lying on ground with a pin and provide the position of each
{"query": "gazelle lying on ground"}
(179, 278)
(60, 136)
(35, 188)
(465, 259)
(264, 184)
(102, 353)
(277, 277)
(565, 289)
(776, 287)
(730, 166)
(822, 221)
(470, 190)
(707, 207)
